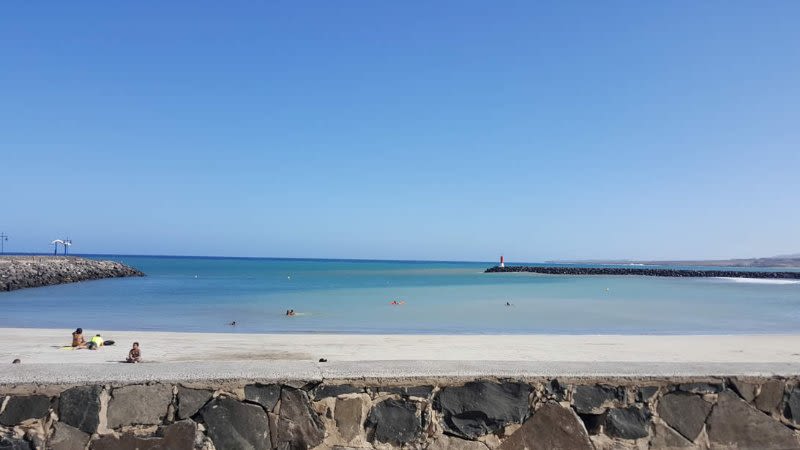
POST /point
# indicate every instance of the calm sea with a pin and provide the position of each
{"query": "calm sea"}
(204, 294)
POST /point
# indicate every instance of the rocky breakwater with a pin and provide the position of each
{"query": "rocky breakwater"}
(19, 272)
(691, 273)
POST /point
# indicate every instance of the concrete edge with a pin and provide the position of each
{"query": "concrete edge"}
(389, 371)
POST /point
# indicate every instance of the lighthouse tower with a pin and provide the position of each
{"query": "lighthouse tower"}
(502, 263)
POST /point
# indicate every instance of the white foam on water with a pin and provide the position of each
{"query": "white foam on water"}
(759, 280)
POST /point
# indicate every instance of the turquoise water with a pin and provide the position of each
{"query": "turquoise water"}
(204, 294)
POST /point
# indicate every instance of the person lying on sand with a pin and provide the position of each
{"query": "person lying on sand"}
(95, 343)
(135, 355)
(77, 339)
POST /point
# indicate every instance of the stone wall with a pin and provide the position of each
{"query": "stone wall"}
(19, 272)
(436, 414)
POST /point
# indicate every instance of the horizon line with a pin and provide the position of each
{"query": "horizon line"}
(253, 257)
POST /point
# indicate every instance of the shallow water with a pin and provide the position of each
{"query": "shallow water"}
(204, 294)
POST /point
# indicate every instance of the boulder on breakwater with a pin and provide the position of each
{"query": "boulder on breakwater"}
(664, 272)
(19, 272)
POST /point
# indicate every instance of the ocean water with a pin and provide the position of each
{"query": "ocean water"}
(204, 294)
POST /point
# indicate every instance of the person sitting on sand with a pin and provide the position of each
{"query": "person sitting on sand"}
(135, 355)
(77, 339)
(95, 343)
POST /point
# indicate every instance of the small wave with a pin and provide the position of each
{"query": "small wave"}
(759, 280)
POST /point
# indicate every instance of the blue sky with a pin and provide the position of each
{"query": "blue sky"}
(411, 130)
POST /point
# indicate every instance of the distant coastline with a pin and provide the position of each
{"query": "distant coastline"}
(772, 261)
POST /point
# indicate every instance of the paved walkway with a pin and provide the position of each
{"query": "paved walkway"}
(11, 374)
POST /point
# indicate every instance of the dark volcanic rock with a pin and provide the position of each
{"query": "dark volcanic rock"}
(266, 395)
(139, 405)
(66, 437)
(482, 407)
(80, 407)
(24, 407)
(593, 422)
(551, 427)
(335, 390)
(627, 423)
(191, 400)
(299, 426)
(394, 422)
(235, 425)
(793, 406)
(9, 443)
(554, 389)
(746, 390)
(667, 438)
(178, 436)
(646, 393)
(686, 413)
(735, 424)
(350, 417)
(770, 396)
(594, 399)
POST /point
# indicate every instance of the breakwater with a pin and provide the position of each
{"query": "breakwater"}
(19, 272)
(432, 413)
(690, 273)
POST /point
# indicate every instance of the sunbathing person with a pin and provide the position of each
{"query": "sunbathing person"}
(135, 355)
(77, 339)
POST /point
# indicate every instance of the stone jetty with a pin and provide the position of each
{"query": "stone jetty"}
(691, 273)
(19, 272)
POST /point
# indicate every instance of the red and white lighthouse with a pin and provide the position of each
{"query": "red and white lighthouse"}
(502, 262)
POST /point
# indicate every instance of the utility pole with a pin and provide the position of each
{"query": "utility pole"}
(3, 238)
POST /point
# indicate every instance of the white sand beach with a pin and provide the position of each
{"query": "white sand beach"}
(44, 346)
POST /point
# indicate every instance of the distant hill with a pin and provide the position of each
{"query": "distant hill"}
(792, 260)
(792, 256)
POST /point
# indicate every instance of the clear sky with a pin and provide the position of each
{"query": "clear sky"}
(456, 130)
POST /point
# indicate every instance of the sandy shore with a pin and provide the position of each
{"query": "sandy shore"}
(44, 346)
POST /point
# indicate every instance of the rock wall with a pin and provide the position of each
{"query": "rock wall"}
(19, 272)
(437, 414)
(691, 273)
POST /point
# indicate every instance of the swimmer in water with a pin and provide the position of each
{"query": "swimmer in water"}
(233, 324)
